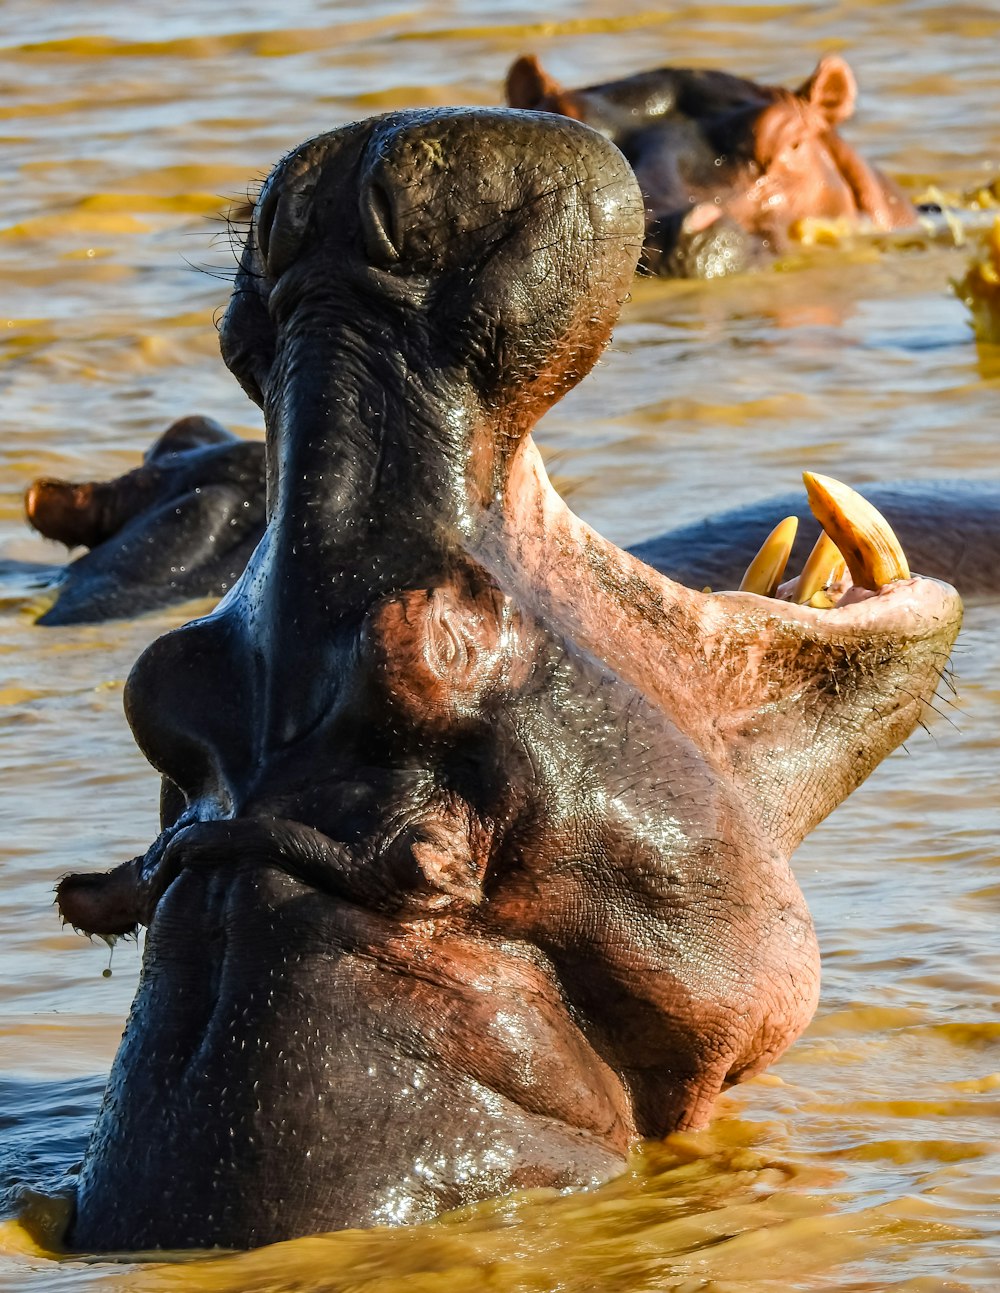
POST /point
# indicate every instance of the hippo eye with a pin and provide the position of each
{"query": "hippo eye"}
(378, 224)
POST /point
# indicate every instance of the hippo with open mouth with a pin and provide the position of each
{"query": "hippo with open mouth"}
(727, 167)
(474, 863)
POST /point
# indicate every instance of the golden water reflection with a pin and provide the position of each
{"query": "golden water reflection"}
(724, 1209)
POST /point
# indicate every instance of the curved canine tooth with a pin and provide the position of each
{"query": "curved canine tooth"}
(764, 572)
(872, 552)
(824, 565)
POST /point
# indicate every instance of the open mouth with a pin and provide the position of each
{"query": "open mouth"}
(855, 555)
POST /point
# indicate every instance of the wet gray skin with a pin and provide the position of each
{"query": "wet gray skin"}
(474, 863)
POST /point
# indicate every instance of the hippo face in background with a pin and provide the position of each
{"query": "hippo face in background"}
(727, 167)
(474, 859)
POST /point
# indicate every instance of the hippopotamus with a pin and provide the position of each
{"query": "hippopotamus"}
(181, 525)
(474, 861)
(727, 167)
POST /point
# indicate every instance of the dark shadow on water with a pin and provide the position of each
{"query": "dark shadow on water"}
(44, 1127)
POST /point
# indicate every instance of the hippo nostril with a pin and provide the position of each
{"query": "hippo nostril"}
(282, 219)
(266, 206)
(378, 223)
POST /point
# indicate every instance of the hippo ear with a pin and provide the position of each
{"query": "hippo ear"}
(528, 83)
(832, 89)
(191, 432)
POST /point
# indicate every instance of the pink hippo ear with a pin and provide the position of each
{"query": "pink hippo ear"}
(528, 84)
(831, 89)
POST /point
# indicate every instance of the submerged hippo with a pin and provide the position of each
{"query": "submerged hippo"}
(474, 860)
(182, 525)
(726, 166)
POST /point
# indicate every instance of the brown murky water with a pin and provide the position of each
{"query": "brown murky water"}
(869, 1157)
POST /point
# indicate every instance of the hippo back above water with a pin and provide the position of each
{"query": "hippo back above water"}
(727, 167)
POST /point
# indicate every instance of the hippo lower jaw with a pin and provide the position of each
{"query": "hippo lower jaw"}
(406, 987)
(757, 663)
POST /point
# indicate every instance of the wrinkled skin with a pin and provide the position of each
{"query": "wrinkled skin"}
(727, 167)
(949, 529)
(474, 863)
(182, 525)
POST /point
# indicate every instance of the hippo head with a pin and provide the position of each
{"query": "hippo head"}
(474, 860)
(182, 525)
(727, 167)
